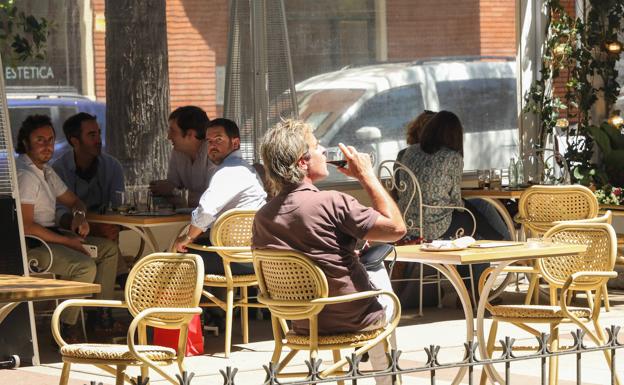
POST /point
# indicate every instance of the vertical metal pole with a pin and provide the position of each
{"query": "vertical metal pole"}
(578, 369)
(260, 102)
(543, 377)
(291, 79)
(613, 374)
(470, 370)
(432, 376)
(507, 373)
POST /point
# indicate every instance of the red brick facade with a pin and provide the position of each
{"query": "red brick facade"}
(197, 43)
(197, 39)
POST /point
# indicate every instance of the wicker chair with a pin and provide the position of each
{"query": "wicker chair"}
(163, 290)
(540, 208)
(294, 288)
(231, 239)
(400, 180)
(586, 272)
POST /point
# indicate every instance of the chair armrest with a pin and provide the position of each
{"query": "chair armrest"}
(33, 263)
(56, 323)
(189, 312)
(605, 275)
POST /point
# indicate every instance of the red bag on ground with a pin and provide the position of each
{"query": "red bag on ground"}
(194, 340)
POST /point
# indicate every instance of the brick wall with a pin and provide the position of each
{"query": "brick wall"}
(197, 40)
(432, 28)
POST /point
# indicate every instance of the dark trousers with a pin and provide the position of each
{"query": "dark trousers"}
(213, 264)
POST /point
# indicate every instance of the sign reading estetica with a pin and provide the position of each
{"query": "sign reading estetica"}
(28, 73)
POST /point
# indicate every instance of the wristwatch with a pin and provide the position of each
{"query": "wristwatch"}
(79, 212)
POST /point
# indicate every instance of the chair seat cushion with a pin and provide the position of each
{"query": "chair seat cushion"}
(116, 352)
(332, 339)
(537, 311)
(236, 278)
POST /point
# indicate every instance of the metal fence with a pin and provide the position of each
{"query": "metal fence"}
(470, 360)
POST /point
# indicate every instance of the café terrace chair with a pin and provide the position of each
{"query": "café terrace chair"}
(540, 208)
(230, 236)
(400, 180)
(565, 274)
(35, 270)
(163, 290)
(294, 288)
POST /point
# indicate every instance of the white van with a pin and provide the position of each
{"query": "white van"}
(368, 107)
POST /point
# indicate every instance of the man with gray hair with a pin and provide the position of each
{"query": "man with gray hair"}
(325, 226)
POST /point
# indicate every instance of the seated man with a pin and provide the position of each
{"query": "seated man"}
(40, 189)
(190, 166)
(94, 176)
(234, 184)
(325, 226)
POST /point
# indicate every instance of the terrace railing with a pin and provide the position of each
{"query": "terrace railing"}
(470, 360)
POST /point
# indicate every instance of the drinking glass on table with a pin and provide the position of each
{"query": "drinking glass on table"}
(496, 177)
(483, 176)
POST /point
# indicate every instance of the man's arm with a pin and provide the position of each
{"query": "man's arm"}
(33, 228)
(389, 226)
(77, 220)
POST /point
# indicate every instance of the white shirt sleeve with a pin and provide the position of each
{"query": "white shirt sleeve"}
(220, 192)
(28, 186)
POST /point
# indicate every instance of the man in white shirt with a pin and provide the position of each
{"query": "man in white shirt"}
(234, 184)
(40, 189)
(190, 166)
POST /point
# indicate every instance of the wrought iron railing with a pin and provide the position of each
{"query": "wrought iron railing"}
(470, 360)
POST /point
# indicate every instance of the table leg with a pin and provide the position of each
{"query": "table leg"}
(6, 309)
(450, 272)
(146, 235)
(489, 283)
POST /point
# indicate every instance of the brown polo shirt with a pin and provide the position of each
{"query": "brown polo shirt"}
(323, 225)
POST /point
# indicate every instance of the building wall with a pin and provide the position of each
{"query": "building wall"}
(197, 43)
(197, 39)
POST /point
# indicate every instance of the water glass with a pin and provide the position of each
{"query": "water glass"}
(142, 199)
(483, 176)
(496, 177)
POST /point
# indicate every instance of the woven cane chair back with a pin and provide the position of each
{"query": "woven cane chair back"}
(540, 206)
(169, 280)
(601, 244)
(289, 280)
(233, 228)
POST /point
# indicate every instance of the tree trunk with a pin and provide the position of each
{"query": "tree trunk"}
(137, 88)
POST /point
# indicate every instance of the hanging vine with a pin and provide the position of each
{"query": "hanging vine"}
(574, 55)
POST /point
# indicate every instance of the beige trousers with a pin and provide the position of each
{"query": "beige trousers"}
(72, 265)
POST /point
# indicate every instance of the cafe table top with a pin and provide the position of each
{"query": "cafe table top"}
(519, 251)
(16, 288)
(138, 220)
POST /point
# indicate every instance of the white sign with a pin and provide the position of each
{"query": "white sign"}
(28, 73)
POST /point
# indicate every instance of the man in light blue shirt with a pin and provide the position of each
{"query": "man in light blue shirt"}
(234, 184)
(89, 173)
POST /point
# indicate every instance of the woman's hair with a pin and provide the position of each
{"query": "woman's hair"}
(281, 148)
(443, 130)
(415, 127)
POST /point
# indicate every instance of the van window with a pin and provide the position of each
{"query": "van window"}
(481, 104)
(390, 111)
(18, 114)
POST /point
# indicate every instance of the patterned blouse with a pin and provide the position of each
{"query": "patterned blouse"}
(439, 175)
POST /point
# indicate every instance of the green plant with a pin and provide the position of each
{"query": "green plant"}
(26, 35)
(576, 52)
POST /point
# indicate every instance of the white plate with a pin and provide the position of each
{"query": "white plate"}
(429, 247)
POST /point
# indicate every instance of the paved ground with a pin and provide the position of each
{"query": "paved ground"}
(443, 327)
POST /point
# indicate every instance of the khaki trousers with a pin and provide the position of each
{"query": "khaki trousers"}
(72, 265)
